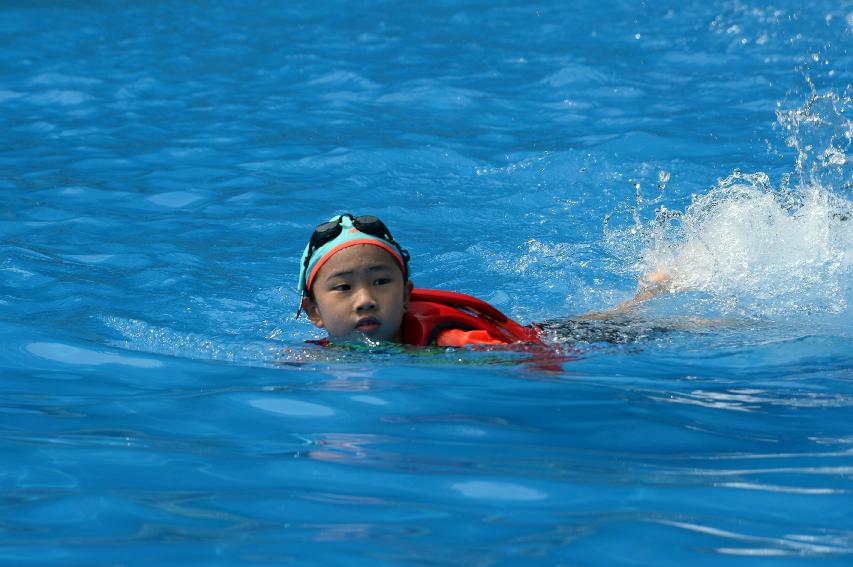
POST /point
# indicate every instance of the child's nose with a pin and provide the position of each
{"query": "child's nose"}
(365, 300)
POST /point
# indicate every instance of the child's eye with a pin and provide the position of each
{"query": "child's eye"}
(341, 287)
(382, 281)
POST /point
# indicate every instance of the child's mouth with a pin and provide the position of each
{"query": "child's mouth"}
(367, 325)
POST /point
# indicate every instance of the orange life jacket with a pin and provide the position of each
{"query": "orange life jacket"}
(432, 311)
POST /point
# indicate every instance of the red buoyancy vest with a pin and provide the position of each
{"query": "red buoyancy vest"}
(432, 311)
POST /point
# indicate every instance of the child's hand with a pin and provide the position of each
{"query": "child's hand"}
(655, 277)
(653, 284)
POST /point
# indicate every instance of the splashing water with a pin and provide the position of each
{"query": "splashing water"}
(764, 252)
(821, 135)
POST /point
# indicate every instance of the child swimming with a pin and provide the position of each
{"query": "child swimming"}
(354, 280)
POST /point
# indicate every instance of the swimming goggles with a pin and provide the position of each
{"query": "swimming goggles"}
(330, 237)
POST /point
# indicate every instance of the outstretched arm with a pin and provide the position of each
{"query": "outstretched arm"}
(651, 284)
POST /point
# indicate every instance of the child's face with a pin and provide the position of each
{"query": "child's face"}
(360, 290)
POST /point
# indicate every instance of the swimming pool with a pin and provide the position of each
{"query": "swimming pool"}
(165, 162)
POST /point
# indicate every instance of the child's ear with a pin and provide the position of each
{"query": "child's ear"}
(407, 295)
(310, 308)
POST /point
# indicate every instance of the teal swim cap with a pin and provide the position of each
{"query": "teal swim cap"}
(341, 232)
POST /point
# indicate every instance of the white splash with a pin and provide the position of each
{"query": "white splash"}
(765, 251)
(742, 240)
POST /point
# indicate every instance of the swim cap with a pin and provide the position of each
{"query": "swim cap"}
(353, 231)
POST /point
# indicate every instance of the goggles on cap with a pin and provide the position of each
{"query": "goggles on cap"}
(342, 232)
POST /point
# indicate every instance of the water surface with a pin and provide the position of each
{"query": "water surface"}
(164, 163)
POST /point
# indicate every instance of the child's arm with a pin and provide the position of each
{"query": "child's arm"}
(651, 284)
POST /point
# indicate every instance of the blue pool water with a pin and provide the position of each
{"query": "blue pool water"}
(164, 162)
